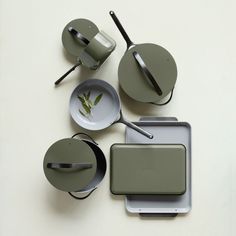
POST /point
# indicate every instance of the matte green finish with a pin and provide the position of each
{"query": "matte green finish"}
(98, 50)
(148, 169)
(70, 150)
(72, 45)
(159, 62)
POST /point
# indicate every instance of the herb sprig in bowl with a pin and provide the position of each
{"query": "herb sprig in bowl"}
(88, 104)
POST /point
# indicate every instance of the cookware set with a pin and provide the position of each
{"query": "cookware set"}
(153, 168)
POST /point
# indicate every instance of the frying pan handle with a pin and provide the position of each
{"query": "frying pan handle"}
(78, 166)
(135, 127)
(121, 29)
(67, 73)
(146, 72)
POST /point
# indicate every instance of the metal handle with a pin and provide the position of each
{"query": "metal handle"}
(164, 103)
(78, 166)
(79, 134)
(158, 214)
(146, 72)
(121, 29)
(67, 73)
(135, 127)
(81, 198)
(78, 35)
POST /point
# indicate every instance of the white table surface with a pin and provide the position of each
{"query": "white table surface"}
(200, 35)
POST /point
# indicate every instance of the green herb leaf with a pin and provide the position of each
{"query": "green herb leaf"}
(90, 103)
(82, 113)
(86, 108)
(97, 99)
(88, 95)
(81, 99)
(86, 103)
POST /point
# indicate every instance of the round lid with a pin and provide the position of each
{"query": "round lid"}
(86, 28)
(161, 66)
(70, 165)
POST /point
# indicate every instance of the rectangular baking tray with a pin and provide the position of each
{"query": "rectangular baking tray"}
(166, 131)
(148, 169)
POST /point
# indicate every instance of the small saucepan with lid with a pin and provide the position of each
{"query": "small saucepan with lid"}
(91, 47)
(76, 166)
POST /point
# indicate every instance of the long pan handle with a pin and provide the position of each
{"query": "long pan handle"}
(67, 73)
(121, 29)
(135, 127)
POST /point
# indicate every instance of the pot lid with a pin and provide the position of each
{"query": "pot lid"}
(161, 66)
(72, 44)
(70, 165)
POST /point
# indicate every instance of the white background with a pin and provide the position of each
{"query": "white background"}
(200, 35)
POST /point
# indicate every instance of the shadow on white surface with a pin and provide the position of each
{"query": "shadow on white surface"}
(61, 203)
(117, 197)
(138, 108)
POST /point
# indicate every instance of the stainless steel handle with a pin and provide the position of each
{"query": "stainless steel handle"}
(135, 127)
(78, 35)
(121, 29)
(78, 166)
(67, 73)
(146, 72)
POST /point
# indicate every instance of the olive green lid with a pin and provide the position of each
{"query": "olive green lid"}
(87, 28)
(161, 65)
(68, 152)
(148, 169)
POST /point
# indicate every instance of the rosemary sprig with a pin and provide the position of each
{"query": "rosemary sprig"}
(88, 104)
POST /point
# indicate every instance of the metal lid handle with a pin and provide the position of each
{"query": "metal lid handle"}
(146, 72)
(78, 35)
(78, 166)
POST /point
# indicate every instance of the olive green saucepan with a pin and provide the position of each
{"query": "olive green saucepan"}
(149, 66)
(75, 165)
(91, 47)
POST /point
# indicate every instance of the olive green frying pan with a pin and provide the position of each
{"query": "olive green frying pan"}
(149, 67)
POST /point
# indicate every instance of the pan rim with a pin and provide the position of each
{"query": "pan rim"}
(114, 95)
